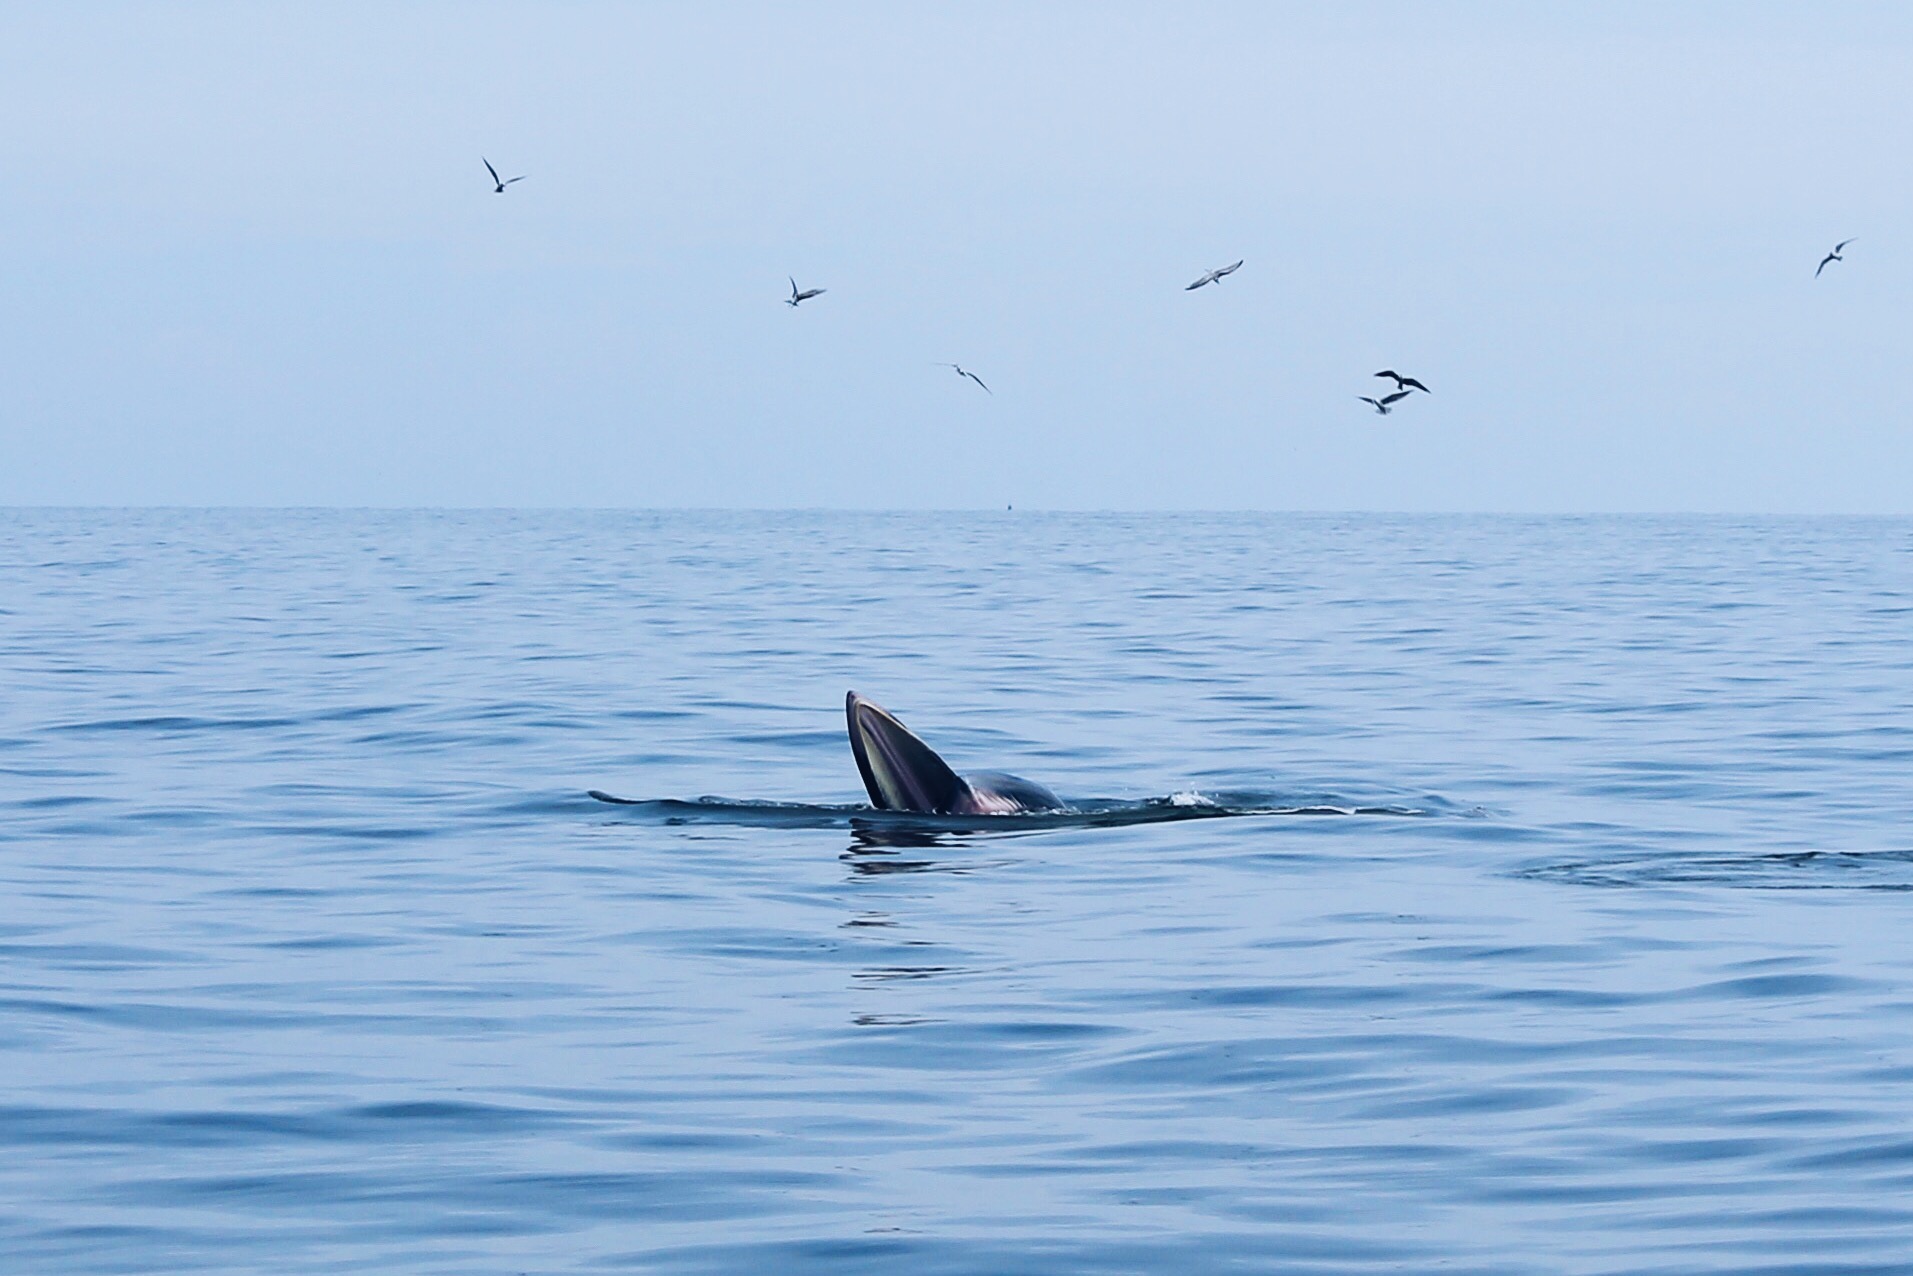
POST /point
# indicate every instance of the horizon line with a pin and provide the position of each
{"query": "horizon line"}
(959, 509)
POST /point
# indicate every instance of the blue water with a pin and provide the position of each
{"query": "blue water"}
(1552, 914)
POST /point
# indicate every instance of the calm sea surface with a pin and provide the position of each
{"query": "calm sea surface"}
(316, 957)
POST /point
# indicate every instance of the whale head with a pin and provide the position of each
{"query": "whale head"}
(902, 773)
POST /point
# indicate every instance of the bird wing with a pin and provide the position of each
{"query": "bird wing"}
(491, 170)
(816, 292)
(793, 284)
(1842, 244)
(1823, 265)
(521, 177)
(979, 380)
(1390, 373)
(1230, 270)
(1206, 279)
(1365, 399)
(1410, 381)
(1391, 398)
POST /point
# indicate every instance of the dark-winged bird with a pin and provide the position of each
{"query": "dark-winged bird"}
(805, 295)
(1404, 383)
(963, 372)
(1832, 256)
(499, 185)
(1386, 403)
(1213, 276)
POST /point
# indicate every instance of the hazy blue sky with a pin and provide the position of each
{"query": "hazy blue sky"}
(250, 255)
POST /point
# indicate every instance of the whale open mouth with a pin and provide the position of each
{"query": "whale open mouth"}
(901, 772)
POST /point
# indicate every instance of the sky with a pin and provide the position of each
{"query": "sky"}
(249, 255)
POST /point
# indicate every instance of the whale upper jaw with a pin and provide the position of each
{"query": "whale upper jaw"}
(902, 773)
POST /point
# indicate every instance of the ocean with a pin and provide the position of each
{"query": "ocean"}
(1442, 893)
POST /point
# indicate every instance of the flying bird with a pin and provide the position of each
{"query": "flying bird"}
(963, 372)
(1832, 256)
(805, 295)
(499, 184)
(1385, 404)
(1404, 383)
(1213, 276)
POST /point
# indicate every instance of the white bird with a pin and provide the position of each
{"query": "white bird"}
(1385, 404)
(964, 372)
(1832, 256)
(805, 295)
(1213, 277)
(498, 186)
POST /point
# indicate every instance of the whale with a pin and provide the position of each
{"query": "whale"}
(902, 773)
